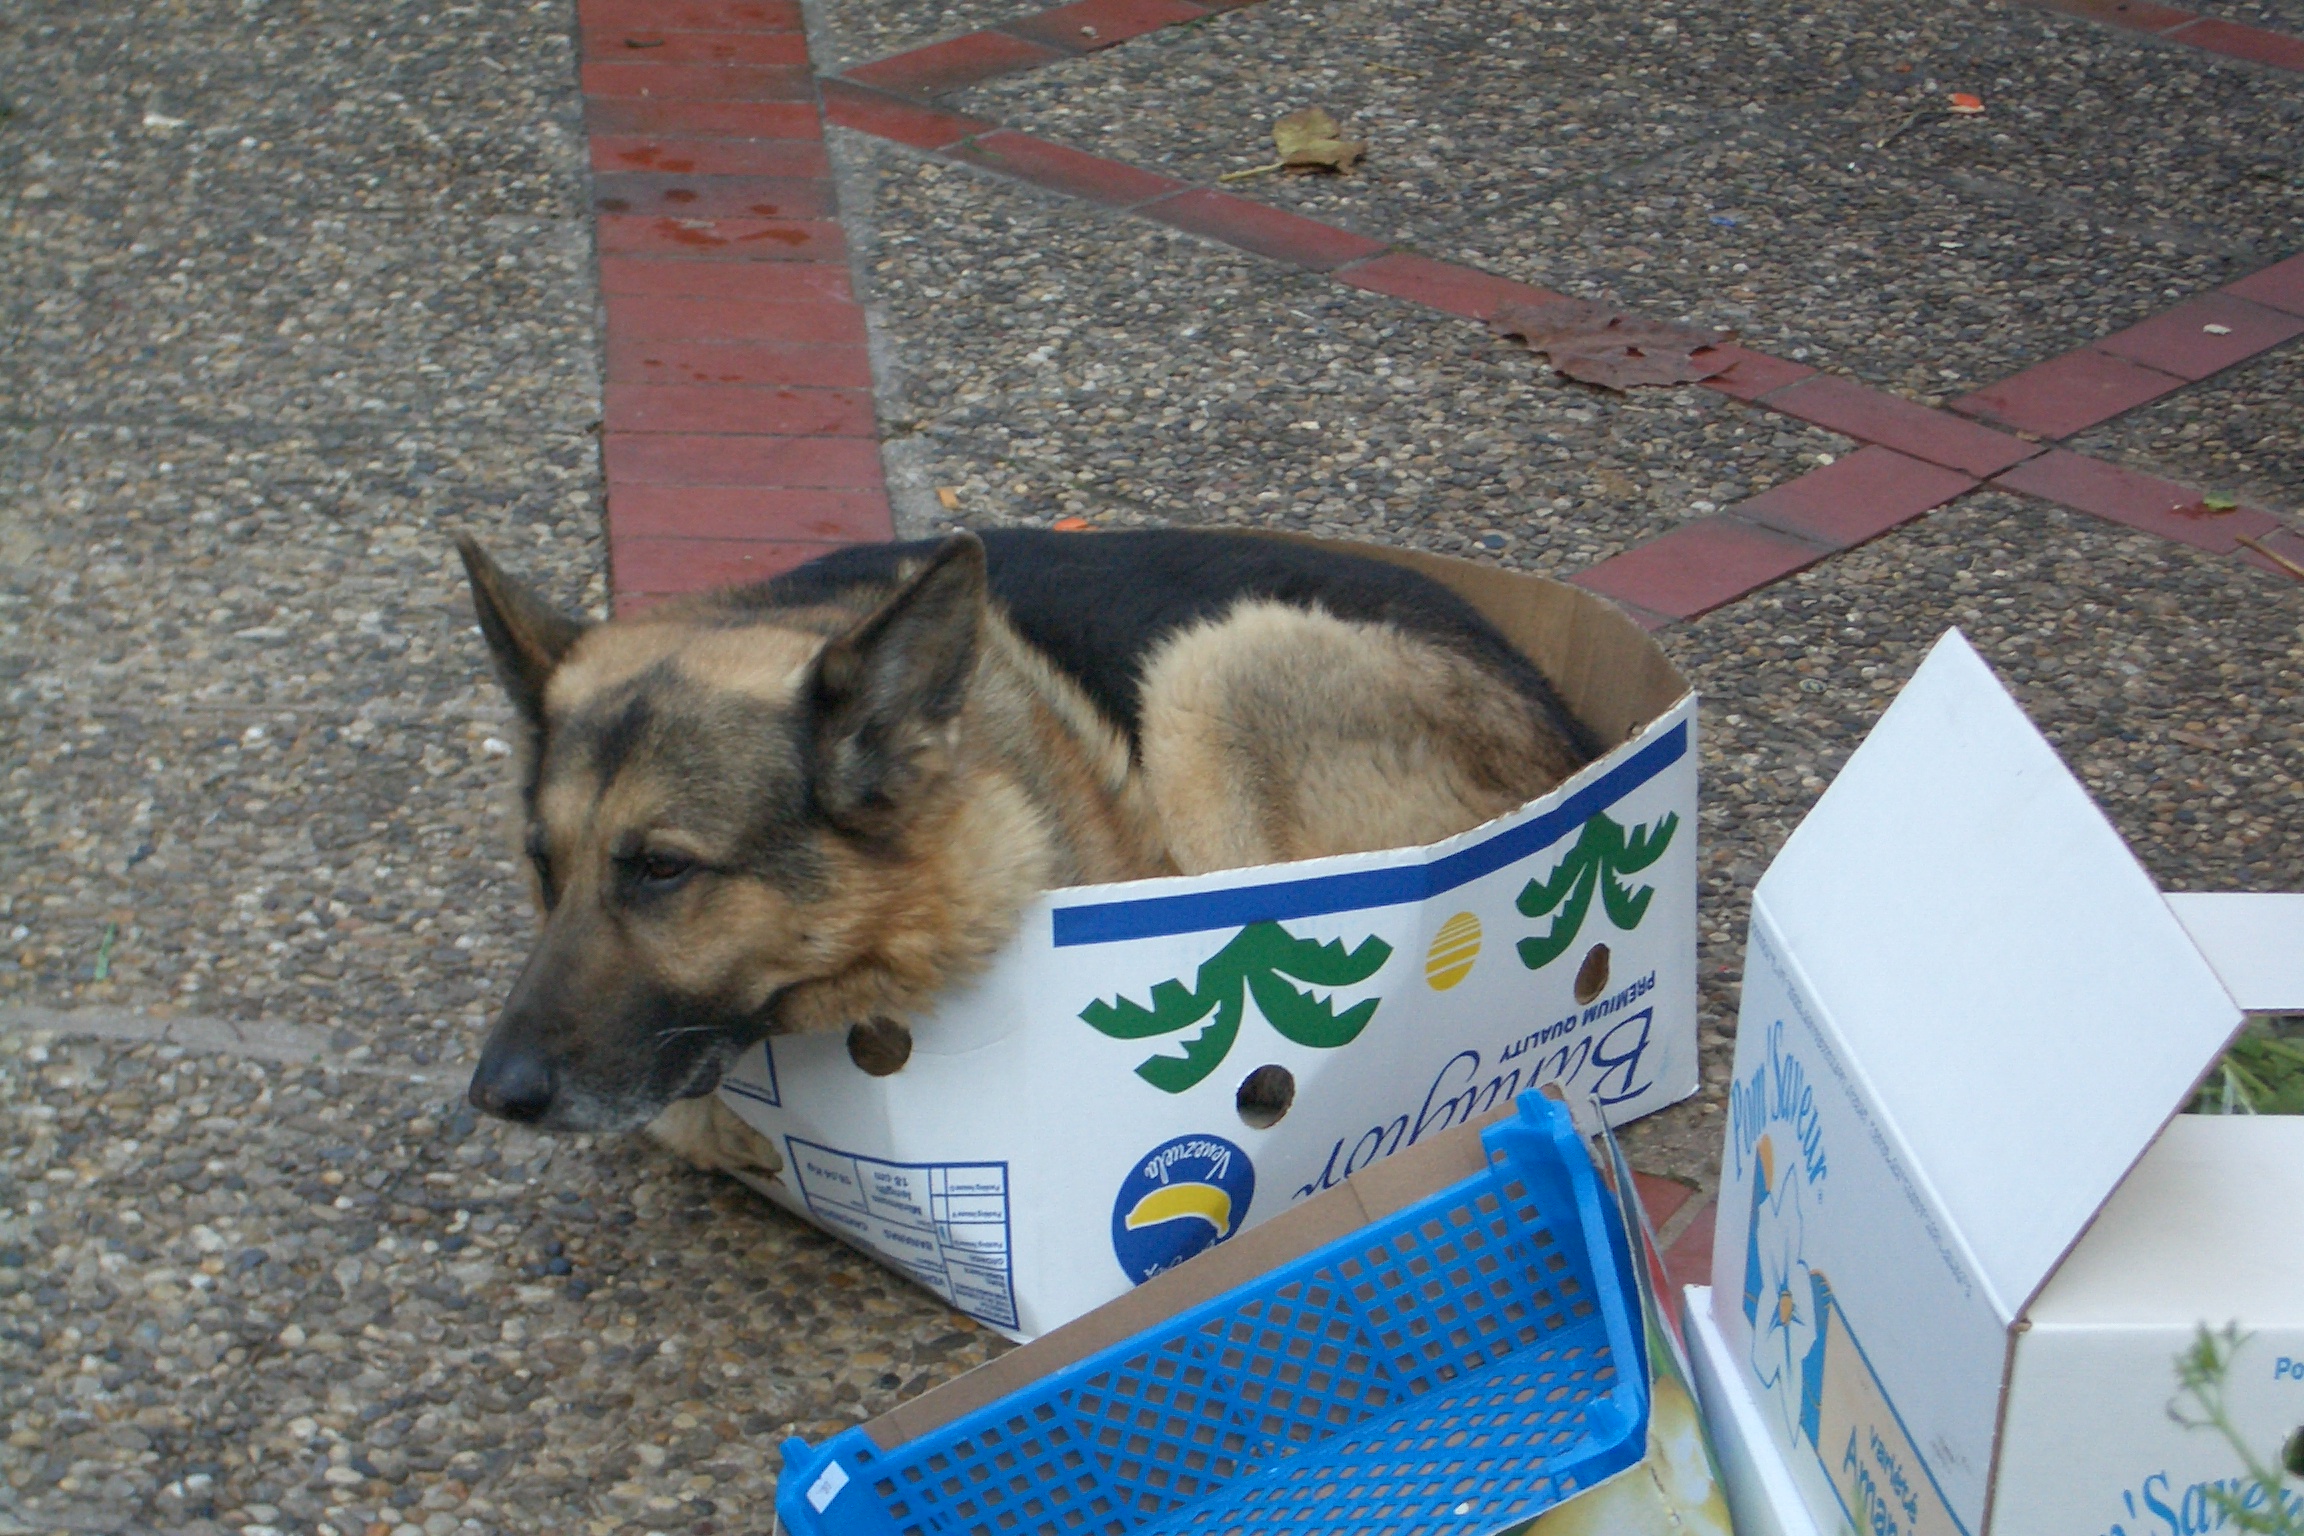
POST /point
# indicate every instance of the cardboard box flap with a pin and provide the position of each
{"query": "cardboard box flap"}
(2189, 1238)
(2019, 1001)
(2254, 943)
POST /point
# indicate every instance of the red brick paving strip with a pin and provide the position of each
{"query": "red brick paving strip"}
(2280, 285)
(2068, 394)
(1915, 458)
(2136, 500)
(2258, 45)
(1873, 416)
(738, 438)
(1700, 565)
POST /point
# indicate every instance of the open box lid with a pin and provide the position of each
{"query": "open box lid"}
(2016, 998)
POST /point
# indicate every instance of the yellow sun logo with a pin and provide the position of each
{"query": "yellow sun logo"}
(1453, 950)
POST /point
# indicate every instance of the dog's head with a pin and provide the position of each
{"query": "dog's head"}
(716, 803)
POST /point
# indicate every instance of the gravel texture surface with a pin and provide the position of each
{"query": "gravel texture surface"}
(2241, 433)
(253, 385)
(281, 1296)
(1737, 166)
(1056, 362)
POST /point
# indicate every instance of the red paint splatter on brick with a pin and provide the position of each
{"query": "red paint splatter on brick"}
(680, 195)
(769, 209)
(787, 236)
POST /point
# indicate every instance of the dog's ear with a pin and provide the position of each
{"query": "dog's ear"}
(884, 699)
(525, 634)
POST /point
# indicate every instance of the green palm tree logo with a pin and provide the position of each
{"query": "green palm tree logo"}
(1603, 855)
(1256, 961)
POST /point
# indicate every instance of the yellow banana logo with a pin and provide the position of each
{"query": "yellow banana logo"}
(1173, 1201)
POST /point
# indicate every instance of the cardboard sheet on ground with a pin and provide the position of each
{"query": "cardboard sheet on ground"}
(1073, 1122)
(1960, 1245)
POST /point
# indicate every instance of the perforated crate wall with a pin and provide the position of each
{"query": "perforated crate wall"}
(1458, 1367)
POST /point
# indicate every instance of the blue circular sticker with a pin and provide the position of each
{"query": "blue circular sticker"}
(1182, 1196)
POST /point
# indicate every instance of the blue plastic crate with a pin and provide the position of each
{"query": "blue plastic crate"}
(1457, 1367)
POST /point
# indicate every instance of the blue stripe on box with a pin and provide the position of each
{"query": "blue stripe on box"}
(1152, 917)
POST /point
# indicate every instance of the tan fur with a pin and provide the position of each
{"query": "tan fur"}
(1280, 733)
(714, 1137)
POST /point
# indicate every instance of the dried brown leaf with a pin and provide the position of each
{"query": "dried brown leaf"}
(1602, 345)
(1312, 140)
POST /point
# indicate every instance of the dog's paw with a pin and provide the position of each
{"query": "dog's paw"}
(879, 1046)
(712, 1136)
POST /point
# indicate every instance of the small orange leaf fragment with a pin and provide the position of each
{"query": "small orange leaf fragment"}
(1966, 105)
(949, 496)
(1071, 525)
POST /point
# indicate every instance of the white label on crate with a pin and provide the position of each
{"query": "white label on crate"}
(822, 1491)
(944, 1224)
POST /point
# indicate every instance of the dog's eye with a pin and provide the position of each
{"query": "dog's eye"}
(662, 869)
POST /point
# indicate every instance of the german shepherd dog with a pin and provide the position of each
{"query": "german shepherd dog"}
(815, 803)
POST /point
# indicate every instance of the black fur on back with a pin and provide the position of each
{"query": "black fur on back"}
(1097, 603)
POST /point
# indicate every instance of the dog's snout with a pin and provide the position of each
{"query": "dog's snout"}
(516, 1086)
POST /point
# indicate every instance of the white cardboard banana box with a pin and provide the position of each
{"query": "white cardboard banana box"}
(1963, 1234)
(1072, 1122)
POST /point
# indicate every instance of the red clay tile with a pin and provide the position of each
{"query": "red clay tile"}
(1699, 565)
(703, 318)
(1252, 226)
(636, 360)
(652, 45)
(1874, 416)
(1452, 289)
(697, 82)
(1753, 374)
(723, 408)
(644, 567)
(2065, 394)
(2283, 542)
(1856, 498)
(1058, 168)
(2134, 500)
(632, 234)
(614, 154)
(1091, 24)
(1690, 1261)
(892, 117)
(690, 15)
(2142, 15)
(715, 197)
(2280, 285)
(2178, 342)
(947, 66)
(2235, 41)
(1660, 1198)
(790, 282)
(744, 512)
(668, 458)
(653, 117)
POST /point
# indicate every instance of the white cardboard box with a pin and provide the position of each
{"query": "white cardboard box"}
(1960, 1242)
(1050, 1144)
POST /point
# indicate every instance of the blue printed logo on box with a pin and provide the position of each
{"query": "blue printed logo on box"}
(1182, 1196)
